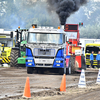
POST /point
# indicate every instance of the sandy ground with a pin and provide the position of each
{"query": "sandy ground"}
(75, 93)
(46, 86)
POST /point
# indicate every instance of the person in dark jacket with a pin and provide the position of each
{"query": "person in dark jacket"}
(91, 58)
(98, 59)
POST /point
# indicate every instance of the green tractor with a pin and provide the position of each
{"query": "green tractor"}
(18, 53)
(22, 59)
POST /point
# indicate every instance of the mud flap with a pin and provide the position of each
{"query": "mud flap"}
(80, 63)
(68, 67)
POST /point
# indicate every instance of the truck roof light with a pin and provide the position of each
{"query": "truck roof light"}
(58, 27)
(39, 27)
(48, 27)
(51, 27)
(18, 27)
(43, 27)
(33, 26)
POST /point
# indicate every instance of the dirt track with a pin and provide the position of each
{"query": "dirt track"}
(46, 86)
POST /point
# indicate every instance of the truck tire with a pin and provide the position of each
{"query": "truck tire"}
(72, 64)
(14, 56)
(29, 70)
(68, 70)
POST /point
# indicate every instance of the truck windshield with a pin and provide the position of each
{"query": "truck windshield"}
(45, 38)
(24, 35)
(90, 49)
(7, 43)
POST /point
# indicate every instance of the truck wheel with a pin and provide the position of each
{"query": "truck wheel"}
(87, 66)
(68, 70)
(14, 56)
(72, 64)
(29, 70)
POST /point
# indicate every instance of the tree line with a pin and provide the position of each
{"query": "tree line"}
(24, 13)
(90, 31)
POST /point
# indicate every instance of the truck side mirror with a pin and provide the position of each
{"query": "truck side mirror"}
(17, 37)
(83, 49)
(79, 43)
(24, 47)
(66, 39)
(3, 47)
(11, 35)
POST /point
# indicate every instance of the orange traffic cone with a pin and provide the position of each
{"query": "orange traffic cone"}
(63, 83)
(27, 93)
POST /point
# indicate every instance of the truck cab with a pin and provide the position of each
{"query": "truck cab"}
(5, 49)
(88, 49)
(45, 48)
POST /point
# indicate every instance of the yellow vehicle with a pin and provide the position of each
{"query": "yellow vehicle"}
(0, 53)
(5, 49)
(88, 49)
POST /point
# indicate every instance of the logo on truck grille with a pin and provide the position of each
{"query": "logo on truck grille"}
(43, 52)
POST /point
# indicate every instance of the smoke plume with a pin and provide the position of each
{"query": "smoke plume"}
(64, 8)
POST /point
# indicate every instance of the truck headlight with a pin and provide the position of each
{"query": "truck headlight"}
(29, 60)
(58, 61)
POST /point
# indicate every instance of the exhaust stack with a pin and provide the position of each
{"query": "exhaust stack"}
(62, 27)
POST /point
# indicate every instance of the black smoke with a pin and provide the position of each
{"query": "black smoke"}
(64, 8)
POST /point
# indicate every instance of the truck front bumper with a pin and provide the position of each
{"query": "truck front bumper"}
(45, 63)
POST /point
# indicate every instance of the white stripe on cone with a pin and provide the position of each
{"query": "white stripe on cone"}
(98, 78)
(82, 82)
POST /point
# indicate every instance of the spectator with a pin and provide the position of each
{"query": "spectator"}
(91, 58)
(98, 59)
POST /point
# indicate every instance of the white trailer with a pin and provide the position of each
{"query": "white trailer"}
(84, 42)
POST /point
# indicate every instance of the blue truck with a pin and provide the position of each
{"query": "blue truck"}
(45, 48)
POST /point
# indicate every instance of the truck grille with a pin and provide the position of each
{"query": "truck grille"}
(46, 52)
(43, 65)
(44, 57)
(88, 57)
(94, 57)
